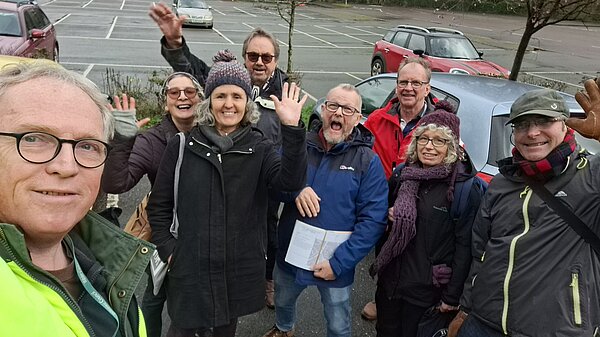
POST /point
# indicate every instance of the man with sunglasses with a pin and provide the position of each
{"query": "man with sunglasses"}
(261, 53)
(64, 270)
(532, 274)
(392, 125)
(346, 191)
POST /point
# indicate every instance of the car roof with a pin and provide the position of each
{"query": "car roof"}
(497, 92)
(14, 4)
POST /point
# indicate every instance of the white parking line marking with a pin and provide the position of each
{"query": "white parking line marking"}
(354, 77)
(138, 66)
(306, 16)
(47, 3)
(344, 34)
(363, 30)
(223, 36)
(112, 27)
(87, 3)
(486, 29)
(122, 5)
(87, 38)
(547, 39)
(314, 37)
(283, 43)
(596, 47)
(87, 70)
(62, 19)
(247, 25)
(243, 11)
(309, 95)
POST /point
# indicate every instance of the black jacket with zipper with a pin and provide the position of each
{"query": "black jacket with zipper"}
(532, 275)
(218, 261)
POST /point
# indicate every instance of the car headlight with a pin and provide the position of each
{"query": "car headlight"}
(458, 71)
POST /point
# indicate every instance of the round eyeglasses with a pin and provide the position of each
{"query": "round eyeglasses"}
(436, 142)
(414, 84)
(41, 147)
(189, 92)
(346, 110)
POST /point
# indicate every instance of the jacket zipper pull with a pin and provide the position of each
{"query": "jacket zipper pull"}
(524, 193)
(219, 157)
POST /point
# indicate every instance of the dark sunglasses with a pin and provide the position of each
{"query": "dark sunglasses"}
(189, 92)
(266, 58)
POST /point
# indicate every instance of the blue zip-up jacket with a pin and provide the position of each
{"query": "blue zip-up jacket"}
(351, 183)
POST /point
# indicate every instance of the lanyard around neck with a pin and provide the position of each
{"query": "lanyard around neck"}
(87, 285)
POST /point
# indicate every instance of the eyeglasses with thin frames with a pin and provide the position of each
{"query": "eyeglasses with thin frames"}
(189, 92)
(41, 148)
(542, 123)
(414, 84)
(346, 110)
(266, 58)
(436, 142)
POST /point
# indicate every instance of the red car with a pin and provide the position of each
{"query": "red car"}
(446, 50)
(26, 31)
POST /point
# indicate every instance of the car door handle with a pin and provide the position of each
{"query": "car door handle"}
(387, 50)
(405, 56)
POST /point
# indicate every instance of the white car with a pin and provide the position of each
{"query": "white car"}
(198, 13)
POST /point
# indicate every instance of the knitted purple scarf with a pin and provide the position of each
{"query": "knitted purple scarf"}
(405, 209)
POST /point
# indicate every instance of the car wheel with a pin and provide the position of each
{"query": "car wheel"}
(314, 125)
(377, 67)
(55, 53)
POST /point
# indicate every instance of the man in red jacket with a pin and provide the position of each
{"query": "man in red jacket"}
(392, 125)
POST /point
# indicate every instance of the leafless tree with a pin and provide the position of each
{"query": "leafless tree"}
(542, 13)
(287, 11)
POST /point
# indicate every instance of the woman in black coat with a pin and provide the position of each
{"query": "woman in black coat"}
(426, 258)
(137, 154)
(217, 261)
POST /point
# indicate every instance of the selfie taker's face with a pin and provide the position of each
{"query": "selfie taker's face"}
(47, 200)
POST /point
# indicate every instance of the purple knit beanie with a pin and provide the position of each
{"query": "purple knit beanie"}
(443, 115)
(226, 70)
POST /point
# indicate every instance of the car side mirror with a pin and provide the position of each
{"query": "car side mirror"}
(37, 34)
(480, 53)
(210, 8)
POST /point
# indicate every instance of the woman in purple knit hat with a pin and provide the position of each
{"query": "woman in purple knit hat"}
(217, 261)
(424, 262)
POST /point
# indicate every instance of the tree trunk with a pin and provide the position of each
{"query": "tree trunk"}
(290, 68)
(516, 67)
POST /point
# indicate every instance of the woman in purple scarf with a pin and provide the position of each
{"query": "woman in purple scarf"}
(426, 258)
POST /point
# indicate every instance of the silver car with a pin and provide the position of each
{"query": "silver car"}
(483, 107)
(198, 13)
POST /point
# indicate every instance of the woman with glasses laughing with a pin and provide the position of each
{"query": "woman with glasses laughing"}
(137, 154)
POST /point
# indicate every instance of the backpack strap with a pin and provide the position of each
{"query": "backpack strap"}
(462, 189)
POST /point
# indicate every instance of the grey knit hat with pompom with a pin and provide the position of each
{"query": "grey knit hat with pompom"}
(226, 70)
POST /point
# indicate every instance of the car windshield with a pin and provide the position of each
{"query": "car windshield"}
(192, 4)
(375, 92)
(9, 24)
(452, 47)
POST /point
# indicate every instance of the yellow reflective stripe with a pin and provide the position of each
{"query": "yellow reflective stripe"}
(576, 298)
(511, 258)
